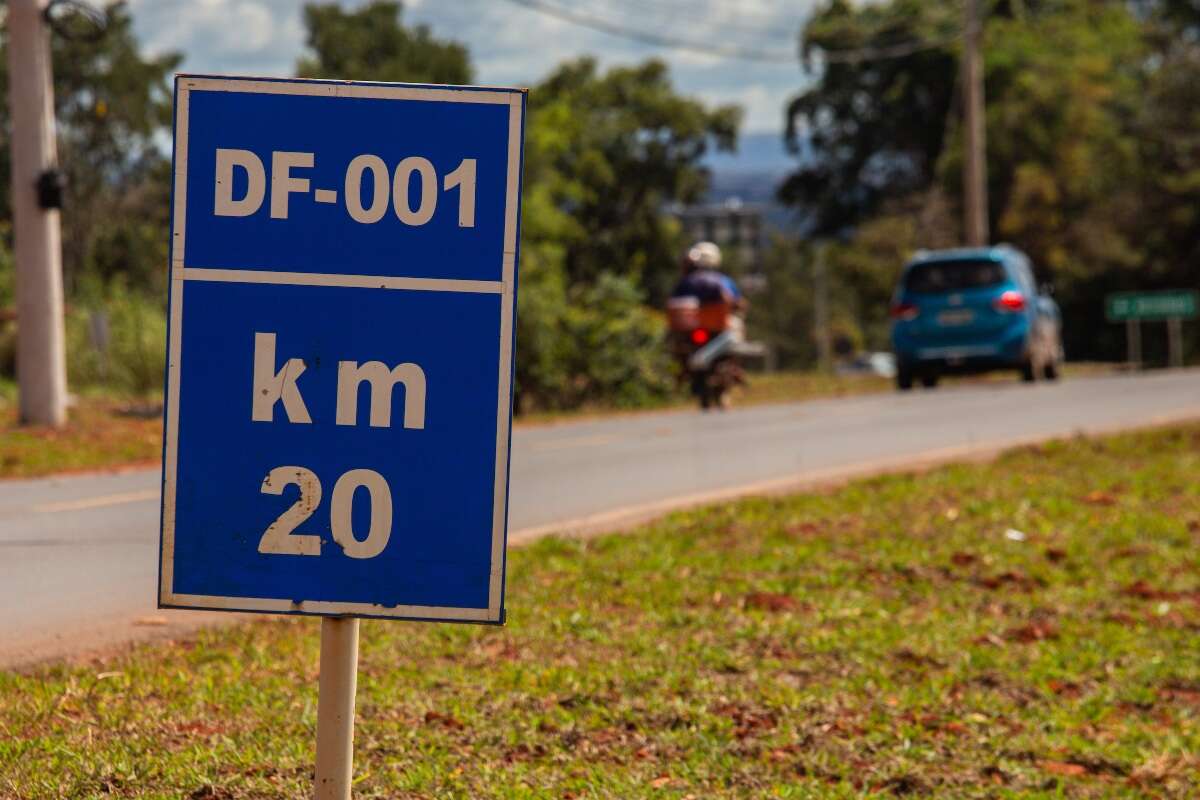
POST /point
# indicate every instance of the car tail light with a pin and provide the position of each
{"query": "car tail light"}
(699, 336)
(1010, 301)
(904, 311)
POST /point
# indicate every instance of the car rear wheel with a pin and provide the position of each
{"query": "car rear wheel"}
(930, 380)
(1029, 371)
(904, 378)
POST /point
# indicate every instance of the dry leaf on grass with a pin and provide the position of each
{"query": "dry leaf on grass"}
(445, 720)
(1063, 768)
(771, 601)
(1100, 498)
(1033, 632)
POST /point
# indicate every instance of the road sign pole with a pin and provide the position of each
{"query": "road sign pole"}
(41, 350)
(1133, 341)
(335, 708)
(821, 309)
(1175, 341)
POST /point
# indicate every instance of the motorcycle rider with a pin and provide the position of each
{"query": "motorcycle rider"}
(703, 280)
(706, 302)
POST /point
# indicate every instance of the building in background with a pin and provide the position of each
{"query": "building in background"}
(738, 228)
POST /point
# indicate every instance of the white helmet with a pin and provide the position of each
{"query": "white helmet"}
(704, 255)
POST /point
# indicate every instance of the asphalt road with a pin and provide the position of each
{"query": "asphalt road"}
(78, 554)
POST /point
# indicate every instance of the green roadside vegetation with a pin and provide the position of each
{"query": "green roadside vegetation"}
(1025, 628)
(788, 386)
(104, 432)
(1086, 110)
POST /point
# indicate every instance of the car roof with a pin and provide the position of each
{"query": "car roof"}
(1000, 252)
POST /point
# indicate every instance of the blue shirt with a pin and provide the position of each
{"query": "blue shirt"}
(708, 286)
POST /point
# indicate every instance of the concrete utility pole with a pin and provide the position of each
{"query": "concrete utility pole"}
(975, 204)
(821, 310)
(41, 351)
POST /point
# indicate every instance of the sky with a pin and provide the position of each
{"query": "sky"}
(511, 44)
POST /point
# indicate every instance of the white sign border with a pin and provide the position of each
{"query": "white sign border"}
(179, 275)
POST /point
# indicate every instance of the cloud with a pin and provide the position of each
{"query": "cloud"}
(511, 44)
(514, 45)
(254, 36)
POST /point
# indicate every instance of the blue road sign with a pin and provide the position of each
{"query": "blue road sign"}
(339, 380)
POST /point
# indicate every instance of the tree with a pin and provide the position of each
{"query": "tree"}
(1091, 155)
(871, 129)
(371, 43)
(605, 154)
(616, 149)
(111, 104)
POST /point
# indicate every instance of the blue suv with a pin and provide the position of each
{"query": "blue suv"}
(972, 310)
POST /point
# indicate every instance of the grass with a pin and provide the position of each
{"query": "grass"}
(1026, 628)
(788, 386)
(102, 432)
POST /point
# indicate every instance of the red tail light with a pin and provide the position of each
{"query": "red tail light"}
(904, 311)
(699, 336)
(1010, 301)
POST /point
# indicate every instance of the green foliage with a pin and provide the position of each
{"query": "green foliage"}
(782, 316)
(873, 129)
(1092, 154)
(618, 352)
(614, 149)
(879, 640)
(604, 154)
(593, 344)
(1047, 137)
(370, 43)
(111, 103)
(860, 282)
(116, 340)
(8, 307)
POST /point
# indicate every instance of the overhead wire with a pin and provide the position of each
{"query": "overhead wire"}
(734, 51)
(712, 17)
(658, 39)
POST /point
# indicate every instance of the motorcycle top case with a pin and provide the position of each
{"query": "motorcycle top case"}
(686, 314)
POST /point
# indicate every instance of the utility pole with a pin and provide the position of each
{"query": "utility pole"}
(41, 351)
(821, 309)
(975, 205)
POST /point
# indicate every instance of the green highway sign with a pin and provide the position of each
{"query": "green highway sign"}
(1174, 304)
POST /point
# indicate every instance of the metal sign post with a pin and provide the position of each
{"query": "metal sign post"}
(1133, 342)
(335, 708)
(1172, 306)
(340, 359)
(1175, 342)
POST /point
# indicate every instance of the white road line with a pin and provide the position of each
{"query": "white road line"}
(98, 502)
(594, 440)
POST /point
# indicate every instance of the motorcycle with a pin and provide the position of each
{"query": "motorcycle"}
(705, 341)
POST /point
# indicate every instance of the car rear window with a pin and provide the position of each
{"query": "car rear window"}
(953, 276)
